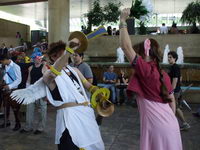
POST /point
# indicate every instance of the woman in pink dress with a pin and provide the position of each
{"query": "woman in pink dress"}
(159, 126)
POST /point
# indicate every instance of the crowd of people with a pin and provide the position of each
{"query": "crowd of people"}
(174, 29)
(157, 93)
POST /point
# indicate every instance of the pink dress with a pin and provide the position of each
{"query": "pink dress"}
(159, 129)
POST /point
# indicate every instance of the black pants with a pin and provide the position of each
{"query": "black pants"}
(8, 102)
(66, 142)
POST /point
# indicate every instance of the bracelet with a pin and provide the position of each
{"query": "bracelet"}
(69, 50)
(56, 72)
(122, 25)
(53, 70)
(84, 81)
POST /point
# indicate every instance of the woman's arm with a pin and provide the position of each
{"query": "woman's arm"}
(125, 41)
(125, 81)
(173, 103)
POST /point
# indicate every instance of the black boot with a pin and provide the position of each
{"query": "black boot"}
(17, 126)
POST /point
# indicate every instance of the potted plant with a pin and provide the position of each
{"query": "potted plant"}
(137, 10)
(191, 15)
(142, 28)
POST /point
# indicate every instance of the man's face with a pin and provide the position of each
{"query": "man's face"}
(38, 60)
(77, 58)
(55, 56)
(111, 68)
(171, 60)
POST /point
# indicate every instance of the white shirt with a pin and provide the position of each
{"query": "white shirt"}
(17, 71)
(163, 30)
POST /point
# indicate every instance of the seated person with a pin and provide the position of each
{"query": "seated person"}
(173, 29)
(109, 78)
(163, 29)
(121, 85)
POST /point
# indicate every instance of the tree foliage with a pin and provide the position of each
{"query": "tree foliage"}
(191, 14)
(137, 9)
(112, 12)
(95, 15)
(100, 15)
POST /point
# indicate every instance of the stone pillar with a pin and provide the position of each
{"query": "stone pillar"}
(90, 4)
(59, 15)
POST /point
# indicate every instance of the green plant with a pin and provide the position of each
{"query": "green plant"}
(112, 12)
(142, 28)
(137, 9)
(95, 15)
(191, 14)
(99, 15)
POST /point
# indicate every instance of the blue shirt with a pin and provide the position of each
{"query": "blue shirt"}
(110, 76)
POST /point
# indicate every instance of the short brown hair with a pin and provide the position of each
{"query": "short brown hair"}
(56, 47)
(174, 55)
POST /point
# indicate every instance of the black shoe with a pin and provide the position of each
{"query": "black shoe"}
(37, 132)
(25, 131)
(17, 127)
(5, 125)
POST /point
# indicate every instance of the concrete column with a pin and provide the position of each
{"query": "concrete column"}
(59, 14)
(90, 4)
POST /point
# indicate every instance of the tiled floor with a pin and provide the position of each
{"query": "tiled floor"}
(120, 132)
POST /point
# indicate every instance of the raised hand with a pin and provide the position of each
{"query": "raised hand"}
(125, 14)
(48, 78)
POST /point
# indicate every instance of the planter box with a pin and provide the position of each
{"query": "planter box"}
(131, 26)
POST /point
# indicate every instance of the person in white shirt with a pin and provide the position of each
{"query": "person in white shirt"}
(76, 127)
(12, 79)
(163, 29)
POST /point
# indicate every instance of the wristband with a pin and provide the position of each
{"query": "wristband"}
(84, 81)
(69, 50)
(56, 72)
(122, 25)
